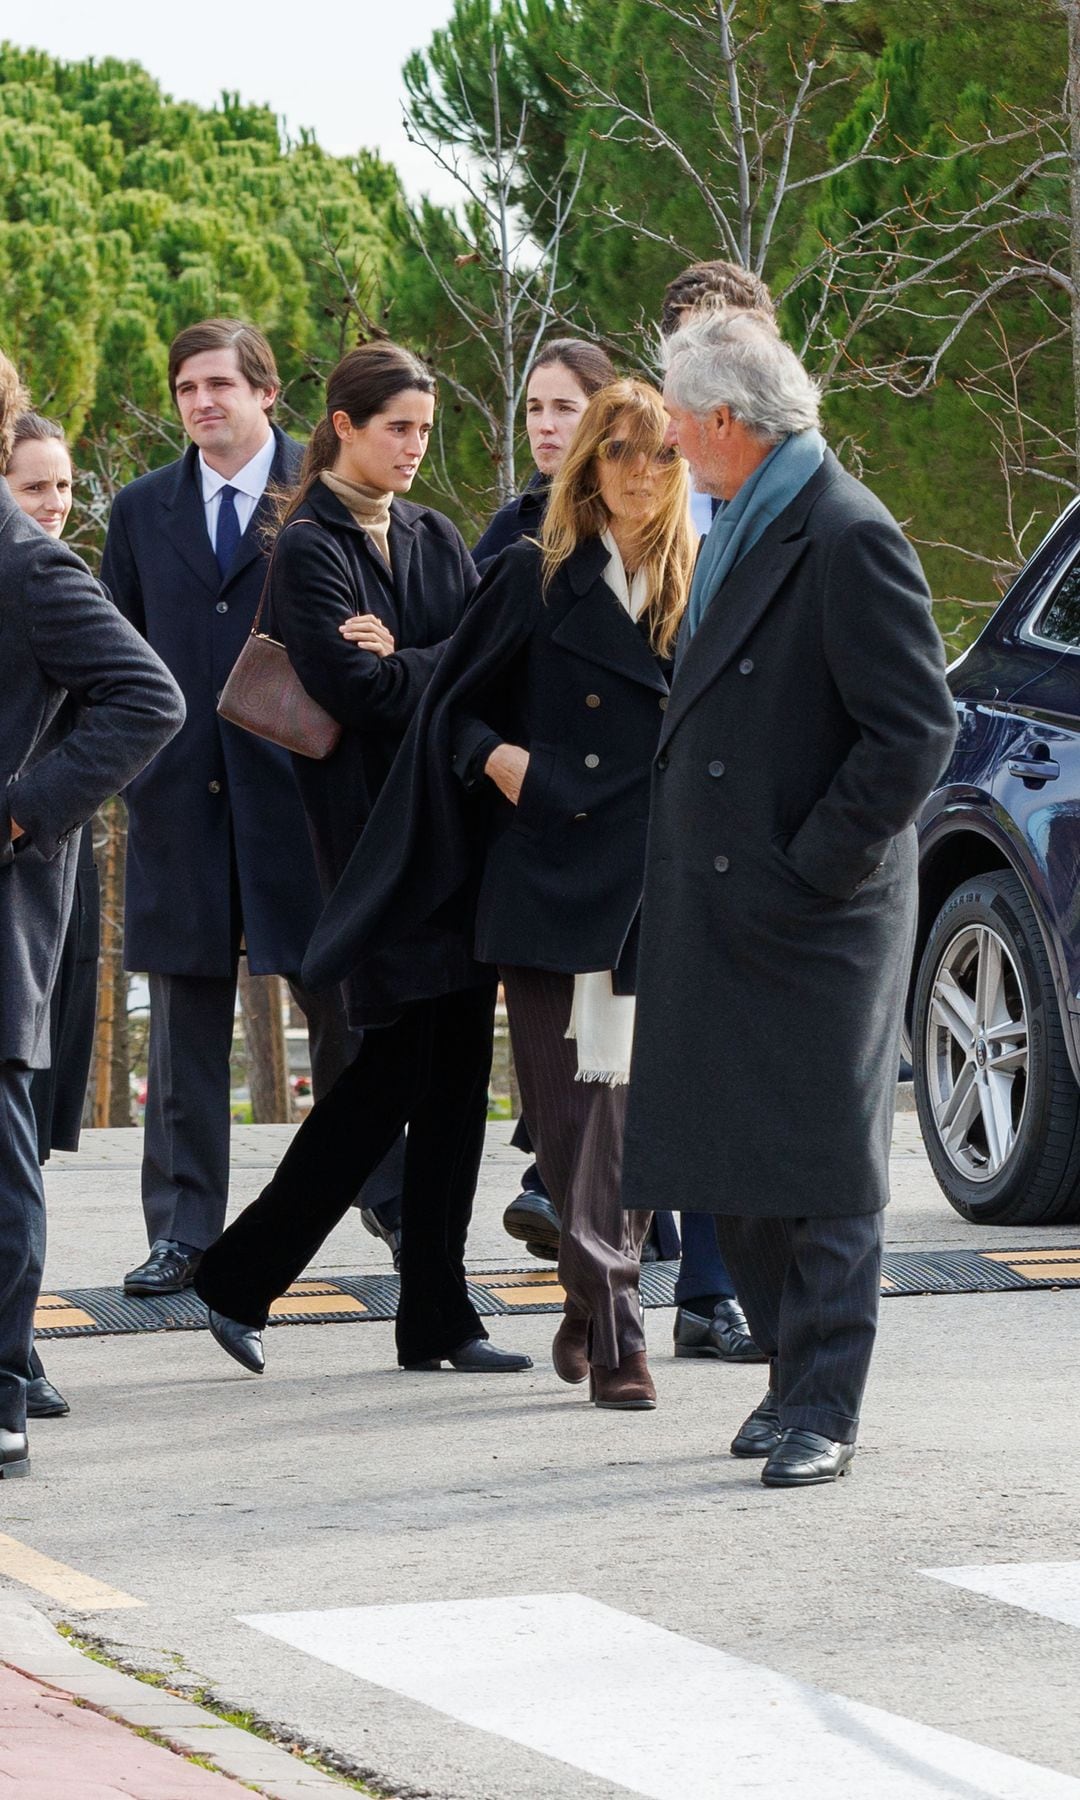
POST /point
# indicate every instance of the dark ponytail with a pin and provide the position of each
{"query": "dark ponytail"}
(363, 384)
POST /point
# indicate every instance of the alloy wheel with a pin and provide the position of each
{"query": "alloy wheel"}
(977, 1052)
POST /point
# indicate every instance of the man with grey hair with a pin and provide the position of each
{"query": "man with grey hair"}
(808, 720)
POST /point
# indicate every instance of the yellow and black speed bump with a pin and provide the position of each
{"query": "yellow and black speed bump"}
(105, 1312)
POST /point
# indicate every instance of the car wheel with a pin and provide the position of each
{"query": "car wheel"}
(998, 1105)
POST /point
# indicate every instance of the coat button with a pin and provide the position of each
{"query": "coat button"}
(746, 667)
(214, 787)
(223, 606)
(721, 864)
(716, 768)
(663, 704)
(661, 762)
(591, 761)
(578, 816)
(592, 699)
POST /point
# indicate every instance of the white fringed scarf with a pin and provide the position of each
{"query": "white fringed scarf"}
(602, 1021)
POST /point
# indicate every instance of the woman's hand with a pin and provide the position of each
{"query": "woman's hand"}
(506, 767)
(368, 632)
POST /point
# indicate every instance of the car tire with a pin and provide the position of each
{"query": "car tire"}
(998, 1104)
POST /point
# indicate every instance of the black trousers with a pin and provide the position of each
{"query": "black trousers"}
(810, 1289)
(185, 1171)
(429, 1071)
(22, 1240)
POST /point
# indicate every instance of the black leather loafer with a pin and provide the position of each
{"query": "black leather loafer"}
(759, 1433)
(169, 1269)
(14, 1454)
(532, 1219)
(805, 1459)
(390, 1235)
(725, 1337)
(242, 1342)
(43, 1401)
(477, 1357)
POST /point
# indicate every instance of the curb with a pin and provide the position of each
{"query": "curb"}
(29, 1644)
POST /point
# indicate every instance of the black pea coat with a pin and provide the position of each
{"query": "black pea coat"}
(555, 882)
(325, 569)
(58, 1093)
(59, 635)
(520, 517)
(809, 719)
(216, 792)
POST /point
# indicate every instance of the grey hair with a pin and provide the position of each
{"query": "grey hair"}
(732, 356)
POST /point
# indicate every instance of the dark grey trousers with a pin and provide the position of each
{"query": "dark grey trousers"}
(185, 1171)
(576, 1128)
(810, 1289)
(22, 1241)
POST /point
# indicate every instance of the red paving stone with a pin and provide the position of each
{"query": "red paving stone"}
(51, 1749)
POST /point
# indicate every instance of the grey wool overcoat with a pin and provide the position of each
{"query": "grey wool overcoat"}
(809, 718)
(59, 635)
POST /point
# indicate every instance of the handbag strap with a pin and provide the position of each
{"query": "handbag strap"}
(270, 569)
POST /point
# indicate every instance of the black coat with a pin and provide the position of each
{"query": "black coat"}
(520, 517)
(59, 635)
(58, 1093)
(556, 879)
(809, 719)
(326, 568)
(216, 791)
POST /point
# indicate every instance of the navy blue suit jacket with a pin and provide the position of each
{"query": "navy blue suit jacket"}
(216, 792)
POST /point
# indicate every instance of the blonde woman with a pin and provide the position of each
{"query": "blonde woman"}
(548, 706)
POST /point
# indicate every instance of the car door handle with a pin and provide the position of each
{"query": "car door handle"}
(1034, 768)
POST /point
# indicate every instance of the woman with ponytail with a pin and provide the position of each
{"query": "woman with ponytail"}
(364, 591)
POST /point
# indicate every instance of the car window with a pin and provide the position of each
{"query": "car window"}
(1060, 622)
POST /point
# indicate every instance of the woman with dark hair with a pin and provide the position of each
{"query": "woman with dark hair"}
(40, 477)
(364, 589)
(548, 708)
(564, 375)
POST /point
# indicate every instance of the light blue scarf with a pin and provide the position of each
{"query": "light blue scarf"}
(738, 524)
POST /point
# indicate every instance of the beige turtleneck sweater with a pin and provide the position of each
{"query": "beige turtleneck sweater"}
(369, 508)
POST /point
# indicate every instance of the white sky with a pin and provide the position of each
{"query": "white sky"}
(326, 64)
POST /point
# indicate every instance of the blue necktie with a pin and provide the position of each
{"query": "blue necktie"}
(227, 541)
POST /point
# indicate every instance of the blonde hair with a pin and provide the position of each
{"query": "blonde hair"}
(576, 511)
(14, 400)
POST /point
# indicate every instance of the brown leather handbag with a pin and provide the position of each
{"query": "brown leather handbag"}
(264, 694)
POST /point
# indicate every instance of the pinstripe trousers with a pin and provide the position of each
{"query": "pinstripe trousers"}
(576, 1128)
(810, 1289)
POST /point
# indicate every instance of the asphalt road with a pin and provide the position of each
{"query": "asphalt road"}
(336, 1482)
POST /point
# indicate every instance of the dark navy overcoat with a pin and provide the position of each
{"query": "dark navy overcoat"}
(216, 790)
(59, 636)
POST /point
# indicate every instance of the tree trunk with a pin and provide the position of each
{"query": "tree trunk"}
(112, 1068)
(264, 1032)
(1071, 9)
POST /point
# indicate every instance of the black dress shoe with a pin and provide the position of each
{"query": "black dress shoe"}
(725, 1337)
(14, 1454)
(477, 1357)
(43, 1401)
(169, 1269)
(533, 1220)
(390, 1235)
(759, 1433)
(805, 1458)
(242, 1342)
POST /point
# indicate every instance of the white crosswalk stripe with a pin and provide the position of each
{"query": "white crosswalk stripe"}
(585, 1684)
(1052, 1589)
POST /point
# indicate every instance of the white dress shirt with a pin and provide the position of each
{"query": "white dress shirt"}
(248, 485)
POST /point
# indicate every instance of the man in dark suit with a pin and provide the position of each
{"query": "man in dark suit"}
(809, 718)
(59, 635)
(219, 858)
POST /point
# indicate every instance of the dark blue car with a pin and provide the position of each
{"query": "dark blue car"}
(994, 1016)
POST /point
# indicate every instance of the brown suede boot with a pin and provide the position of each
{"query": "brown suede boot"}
(569, 1351)
(629, 1388)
